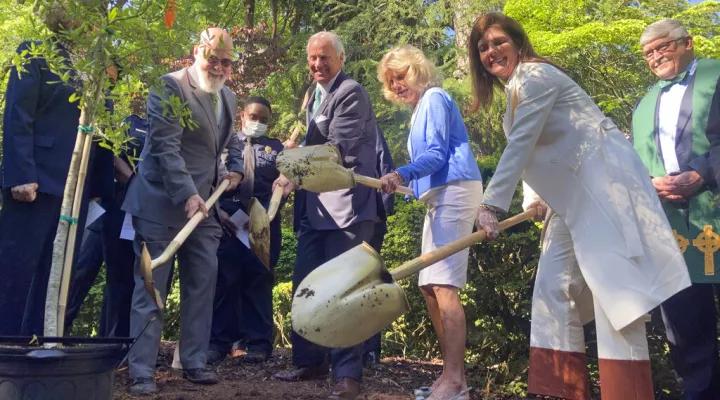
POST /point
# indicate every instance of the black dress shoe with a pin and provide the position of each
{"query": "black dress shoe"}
(201, 376)
(312, 372)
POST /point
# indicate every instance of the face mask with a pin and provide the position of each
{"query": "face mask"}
(254, 129)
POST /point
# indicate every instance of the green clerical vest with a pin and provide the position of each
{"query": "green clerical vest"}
(696, 227)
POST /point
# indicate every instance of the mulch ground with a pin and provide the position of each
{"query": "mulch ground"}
(246, 381)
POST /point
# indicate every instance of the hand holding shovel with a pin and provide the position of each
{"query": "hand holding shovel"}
(147, 264)
(259, 225)
(353, 296)
(319, 169)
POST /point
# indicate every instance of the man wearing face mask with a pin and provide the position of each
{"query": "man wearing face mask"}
(243, 295)
(676, 132)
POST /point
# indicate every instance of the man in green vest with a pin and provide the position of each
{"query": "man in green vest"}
(670, 127)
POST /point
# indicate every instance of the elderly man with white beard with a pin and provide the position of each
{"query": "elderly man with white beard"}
(180, 167)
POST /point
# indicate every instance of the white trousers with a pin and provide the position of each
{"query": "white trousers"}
(562, 304)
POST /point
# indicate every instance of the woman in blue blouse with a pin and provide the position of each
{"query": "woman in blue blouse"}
(444, 175)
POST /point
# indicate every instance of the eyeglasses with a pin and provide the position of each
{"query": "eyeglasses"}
(662, 48)
(214, 60)
(225, 62)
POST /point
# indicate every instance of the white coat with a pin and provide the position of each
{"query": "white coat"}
(579, 162)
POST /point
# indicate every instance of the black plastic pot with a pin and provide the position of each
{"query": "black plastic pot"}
(68, 373)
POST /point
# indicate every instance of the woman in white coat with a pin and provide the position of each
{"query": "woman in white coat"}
(608, 248)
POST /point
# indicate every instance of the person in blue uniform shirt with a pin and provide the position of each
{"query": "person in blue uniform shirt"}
(243, 296)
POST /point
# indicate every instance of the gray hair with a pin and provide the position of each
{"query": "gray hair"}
(334, 39)
(663, 28)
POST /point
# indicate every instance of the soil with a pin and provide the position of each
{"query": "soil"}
(395, 381)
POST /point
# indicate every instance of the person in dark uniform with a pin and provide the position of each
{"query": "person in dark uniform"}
(243, 294)
(40, 128)
(385, 208)
(117, 252)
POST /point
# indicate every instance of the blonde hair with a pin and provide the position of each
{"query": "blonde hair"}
(421, 73)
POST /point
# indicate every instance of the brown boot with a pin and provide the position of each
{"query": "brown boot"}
(345, 389)
(311, 372)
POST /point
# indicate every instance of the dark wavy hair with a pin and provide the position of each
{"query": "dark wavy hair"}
(483, 82)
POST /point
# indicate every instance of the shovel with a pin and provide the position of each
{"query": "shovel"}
(319, 169)
(353, 296)
(147, 264)
(259, 225)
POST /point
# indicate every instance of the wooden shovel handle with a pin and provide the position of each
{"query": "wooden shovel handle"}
(375, 183)
(415, 265)
(188, 228)
(296, 131)
(275, 201)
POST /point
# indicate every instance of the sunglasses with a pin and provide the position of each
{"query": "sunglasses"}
(225, 62)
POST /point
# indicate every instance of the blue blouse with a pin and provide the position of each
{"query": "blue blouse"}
(438, 145)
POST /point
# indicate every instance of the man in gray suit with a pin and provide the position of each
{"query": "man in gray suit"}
(331, 223)
(181, 165)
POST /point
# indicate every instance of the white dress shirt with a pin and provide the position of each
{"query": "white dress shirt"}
(670, 100)
(325, 87)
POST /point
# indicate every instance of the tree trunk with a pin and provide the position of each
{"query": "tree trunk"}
(61, 237)
(274, 12)
(463, 16)
(249, 13)
(64, 243)
(72, 235)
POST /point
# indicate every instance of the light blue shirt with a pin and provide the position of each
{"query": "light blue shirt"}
(438, 145)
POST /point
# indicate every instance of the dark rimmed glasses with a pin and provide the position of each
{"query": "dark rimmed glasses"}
(662, 48)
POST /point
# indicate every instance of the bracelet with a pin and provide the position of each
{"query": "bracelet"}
(399, 176)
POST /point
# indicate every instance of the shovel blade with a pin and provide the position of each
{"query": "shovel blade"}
(315, 168)
(147, 275)
(347, 300)
(259, 231)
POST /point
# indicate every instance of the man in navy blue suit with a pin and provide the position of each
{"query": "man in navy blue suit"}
(40, 126)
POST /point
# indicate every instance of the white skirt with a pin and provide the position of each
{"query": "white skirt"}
(451, 214)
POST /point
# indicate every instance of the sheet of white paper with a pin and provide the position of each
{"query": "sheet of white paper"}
(240, 219)
(95, 210)
(127, 232)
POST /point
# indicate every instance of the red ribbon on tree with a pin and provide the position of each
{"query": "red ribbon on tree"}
(170, 14)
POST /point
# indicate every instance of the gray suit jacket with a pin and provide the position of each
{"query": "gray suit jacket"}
(178, 162)
(346, 120)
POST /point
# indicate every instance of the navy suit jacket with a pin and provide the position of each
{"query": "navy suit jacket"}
(346, 120)
(39, 130)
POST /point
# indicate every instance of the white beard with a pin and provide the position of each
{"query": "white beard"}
(209, 83)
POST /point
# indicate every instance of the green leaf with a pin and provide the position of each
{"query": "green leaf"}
(112, 14)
